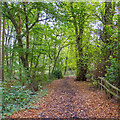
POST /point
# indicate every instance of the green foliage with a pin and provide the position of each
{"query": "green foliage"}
(112, 70)
(57, 74)
(89, 75)
(15, 98)
(41, 78)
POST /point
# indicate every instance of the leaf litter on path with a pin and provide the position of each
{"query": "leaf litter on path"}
(68, 98)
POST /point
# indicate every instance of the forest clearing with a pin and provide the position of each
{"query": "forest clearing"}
(60, 59)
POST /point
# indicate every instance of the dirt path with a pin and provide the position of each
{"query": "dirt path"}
(72, 99)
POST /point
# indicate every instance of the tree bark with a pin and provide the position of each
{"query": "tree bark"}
(119, 47)
(81, 68)
(6, 50)
(3, 37)
(0, 42)
(107, 20)
(27, 36)
(65, 65)
(56, 58)
(79, 28)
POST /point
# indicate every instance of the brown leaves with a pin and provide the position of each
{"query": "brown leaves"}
(68, 98)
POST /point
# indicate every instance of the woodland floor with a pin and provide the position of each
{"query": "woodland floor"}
(72, 99)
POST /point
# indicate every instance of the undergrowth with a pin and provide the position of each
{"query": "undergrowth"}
(17, 98)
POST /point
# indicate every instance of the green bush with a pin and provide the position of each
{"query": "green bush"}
(15, 98)
(89, 75)
(112, 70)
(42, 79)
(57, 74)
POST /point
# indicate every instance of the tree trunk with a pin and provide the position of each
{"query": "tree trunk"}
(107, 19)
(3, 37)
(49, 61)
(27, 36)
(20, 71)
(66, 62)
(56, 58)
(65, 65)
(6, 50)
(119, 46)
(81, 68)
(0, 42)
(79, 28)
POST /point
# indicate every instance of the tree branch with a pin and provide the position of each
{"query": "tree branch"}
(32, 25)
(98, 17)
(37, 60)
(11, 17)
(36, 21)
(44, 19)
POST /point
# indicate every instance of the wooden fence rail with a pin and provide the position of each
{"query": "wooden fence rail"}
(106, 83)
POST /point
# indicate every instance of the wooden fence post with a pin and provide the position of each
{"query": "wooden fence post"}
(101, 86)
(109, 88)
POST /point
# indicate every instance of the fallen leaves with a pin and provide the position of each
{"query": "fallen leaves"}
(71, 99)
